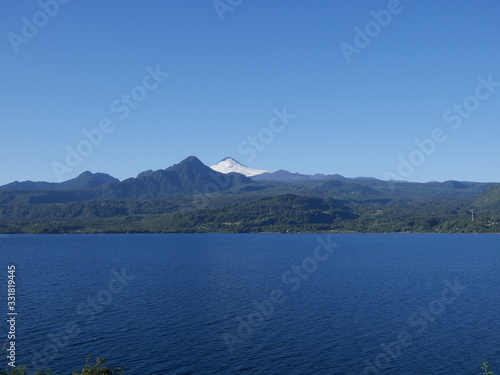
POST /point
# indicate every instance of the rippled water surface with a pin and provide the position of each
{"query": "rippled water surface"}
(256, 304)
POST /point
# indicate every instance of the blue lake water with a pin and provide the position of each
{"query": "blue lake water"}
(256, 304)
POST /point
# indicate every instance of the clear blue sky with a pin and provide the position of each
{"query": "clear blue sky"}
(227, 76)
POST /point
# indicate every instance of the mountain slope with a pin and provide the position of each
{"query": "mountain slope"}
(283, 175)
(281, 213)
(489, 199)
(188, 177)
(86, 180)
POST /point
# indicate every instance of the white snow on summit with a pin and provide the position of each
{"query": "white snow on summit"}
(228, 165)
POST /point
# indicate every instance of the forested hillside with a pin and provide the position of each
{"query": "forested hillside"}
(190, 197)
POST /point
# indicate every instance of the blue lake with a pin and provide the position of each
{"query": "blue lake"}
(256, 304)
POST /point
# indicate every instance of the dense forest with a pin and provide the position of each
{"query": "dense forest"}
(190, 197)
(286, 213)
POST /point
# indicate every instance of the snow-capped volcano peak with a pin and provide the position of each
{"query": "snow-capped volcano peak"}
(228, 165)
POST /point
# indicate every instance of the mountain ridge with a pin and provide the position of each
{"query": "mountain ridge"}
(188, 177)
(86, 180)
(89, 180)
(191, 197)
